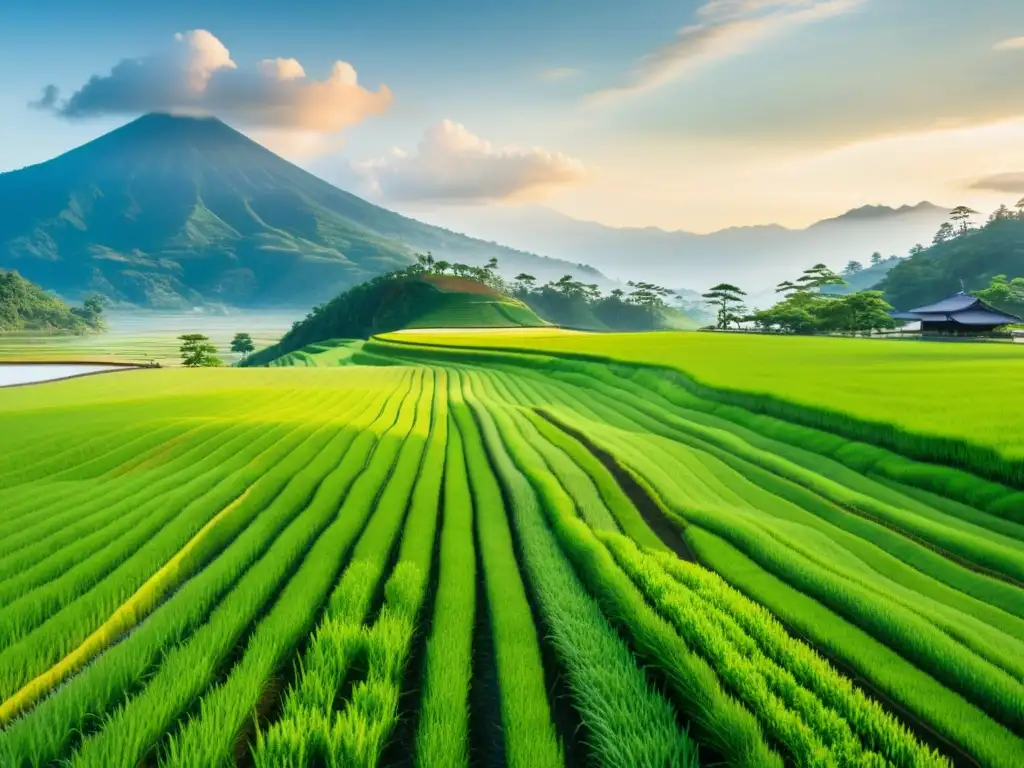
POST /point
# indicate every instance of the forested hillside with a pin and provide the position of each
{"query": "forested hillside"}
(960, 257)
(25, 306)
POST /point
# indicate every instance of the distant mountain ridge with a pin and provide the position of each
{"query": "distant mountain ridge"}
(175, 211)
(753, 257)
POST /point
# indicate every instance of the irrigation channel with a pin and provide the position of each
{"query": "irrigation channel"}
(450, 558)
(18, 374)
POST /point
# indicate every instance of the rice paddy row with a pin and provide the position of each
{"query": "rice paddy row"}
(444, 558)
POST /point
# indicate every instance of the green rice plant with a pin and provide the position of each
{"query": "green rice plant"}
(617, 502)
(35, 639)
(731, 526)
(919, 695)
(627, 721)
(442, 736)
(857, 388)
(77, 567)
(138, 725)
(45, 557)
(719, 721)
(529, 734)
(980, 681)
(998, 593)
(206, 739)
(46, 731)
(205, 543)
(656, 418)
(93, 457)
(812, 730)
(337, 641)
(877, 729)
(100, 494)
(50, 529)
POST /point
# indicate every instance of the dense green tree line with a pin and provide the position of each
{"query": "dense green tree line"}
(804, 308)
(24, 306)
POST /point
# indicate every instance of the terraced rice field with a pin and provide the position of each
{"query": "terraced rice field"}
(454, 557)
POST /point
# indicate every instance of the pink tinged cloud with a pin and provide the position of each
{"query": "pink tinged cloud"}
(453, 165)
(196, 75)
(1011, 44)
(725, 28)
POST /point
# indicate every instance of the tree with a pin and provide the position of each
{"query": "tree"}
(91, 310)
(197, 351)
(856, 313)
(817, 277)
(876, 259)
(1005, 294)
(94, 304)
(1002, 213)
(944, 234)
(962, 216)
(728, 299)
(523, 283)
(242, 344)
(426, 261)
(1020, 208)
(853, 267)
(440, 267)
(916, 249)
(787, 286)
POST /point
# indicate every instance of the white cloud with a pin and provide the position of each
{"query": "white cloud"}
(452, 165)
(196, 75)
(282, 69)
(725, 28)
(1011, 44)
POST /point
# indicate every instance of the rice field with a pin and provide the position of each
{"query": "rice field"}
(145, 337)
(389, 553)
(957, 403)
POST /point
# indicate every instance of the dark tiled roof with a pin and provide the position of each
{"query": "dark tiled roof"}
(982, 317)
(957, 303)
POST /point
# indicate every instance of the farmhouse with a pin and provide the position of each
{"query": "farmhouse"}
(959, 314)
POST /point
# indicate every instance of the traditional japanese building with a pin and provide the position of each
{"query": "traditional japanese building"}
(959, 315)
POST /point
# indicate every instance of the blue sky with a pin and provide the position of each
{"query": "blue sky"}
(692, 114)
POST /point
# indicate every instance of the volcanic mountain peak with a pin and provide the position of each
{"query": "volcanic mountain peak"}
(174, 211)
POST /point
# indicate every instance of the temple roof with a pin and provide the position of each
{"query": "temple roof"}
(982, 317)
(962, 309)
(954, 303)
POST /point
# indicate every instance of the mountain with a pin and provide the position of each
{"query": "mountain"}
(865, 279)
(969, 261)
(755, 258)
(176, 211)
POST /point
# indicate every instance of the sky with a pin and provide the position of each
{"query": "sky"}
(679, 114)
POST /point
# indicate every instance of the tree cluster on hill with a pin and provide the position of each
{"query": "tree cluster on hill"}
(567, 301)
(963, 255)
(24, 306)
(804, 308)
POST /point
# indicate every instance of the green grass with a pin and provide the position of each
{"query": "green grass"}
(883, 392)
(409, 550)
(142, 337)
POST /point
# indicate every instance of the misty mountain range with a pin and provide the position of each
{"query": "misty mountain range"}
(755, 258)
